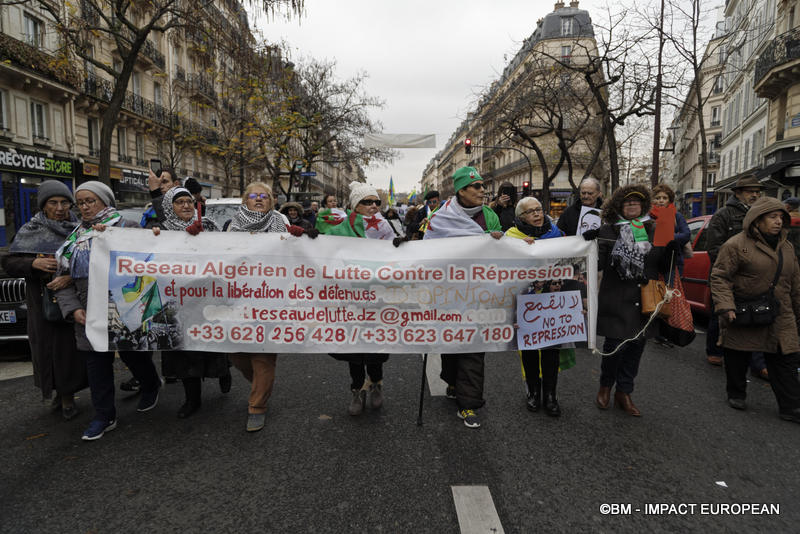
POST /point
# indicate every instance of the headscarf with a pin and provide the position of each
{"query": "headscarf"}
(171, 219)
(41, 235)
(247, 220)
(73, 256)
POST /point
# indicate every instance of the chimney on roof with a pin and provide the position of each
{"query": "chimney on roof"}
(559, 5)
(574, 3)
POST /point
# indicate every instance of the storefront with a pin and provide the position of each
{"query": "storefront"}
(22, 171)
(129, 185)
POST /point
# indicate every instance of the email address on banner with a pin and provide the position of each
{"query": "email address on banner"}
(345, 314)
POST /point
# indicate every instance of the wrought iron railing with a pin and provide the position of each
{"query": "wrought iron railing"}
(782, 49)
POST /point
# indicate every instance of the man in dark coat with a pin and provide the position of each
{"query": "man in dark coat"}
(726, 223)
(431, 203)
(590, 195)
(504, 204)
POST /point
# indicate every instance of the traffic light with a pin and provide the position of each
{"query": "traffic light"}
(526, 189)
(468, 145)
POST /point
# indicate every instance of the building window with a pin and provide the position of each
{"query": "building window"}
(3, 111)
(746, 153)
(39, 121)
(34, 31)
(566, 26)
(712, 178)
(140, 150)
(715, 116)
(122, 143)
(566, 52)
(137, 83)
(157, 93)
(94, 137)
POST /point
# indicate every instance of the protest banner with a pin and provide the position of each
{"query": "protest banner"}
(550, 318)
(241, 292)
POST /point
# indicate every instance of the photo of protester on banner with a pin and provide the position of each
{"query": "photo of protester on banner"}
(589, 219)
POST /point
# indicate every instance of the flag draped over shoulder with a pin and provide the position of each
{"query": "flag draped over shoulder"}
(451, 221)
(351, 224)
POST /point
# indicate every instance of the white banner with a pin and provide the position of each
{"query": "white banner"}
(241, 292)
(400, 140)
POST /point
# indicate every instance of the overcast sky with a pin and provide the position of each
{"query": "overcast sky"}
(426, 59)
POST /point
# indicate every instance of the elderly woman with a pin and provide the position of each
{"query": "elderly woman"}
(754, 262)
(462, 215)
(191, 366)
(95, 201)
(540, 366)
(294, 212)
(365, 205)
(57, 365)
(256, 215)
(628, 260)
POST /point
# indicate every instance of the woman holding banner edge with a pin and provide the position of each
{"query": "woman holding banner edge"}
(363, 221)
(540, 367)
(463, 215)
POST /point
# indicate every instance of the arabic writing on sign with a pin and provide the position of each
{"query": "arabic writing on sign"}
(547, 319)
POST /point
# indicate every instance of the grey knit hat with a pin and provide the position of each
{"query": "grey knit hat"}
(52, 188)
(100, 189)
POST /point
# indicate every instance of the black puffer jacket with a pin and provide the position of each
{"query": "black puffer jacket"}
(726, 223)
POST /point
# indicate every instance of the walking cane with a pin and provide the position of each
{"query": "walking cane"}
(422, 387)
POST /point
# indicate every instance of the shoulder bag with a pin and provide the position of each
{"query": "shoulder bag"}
(762, 309)
(50, 309)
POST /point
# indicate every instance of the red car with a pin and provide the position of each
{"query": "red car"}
(697, 268)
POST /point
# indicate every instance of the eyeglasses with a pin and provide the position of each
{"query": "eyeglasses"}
(534, 210)
(183, 202)
(370, 202)
(254, 196)
(477, 185)
(59, 203)
(88, 202)
(752, 191)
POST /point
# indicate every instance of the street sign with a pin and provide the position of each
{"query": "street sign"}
(308, 173)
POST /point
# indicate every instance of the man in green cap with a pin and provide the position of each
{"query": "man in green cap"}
(463, 215)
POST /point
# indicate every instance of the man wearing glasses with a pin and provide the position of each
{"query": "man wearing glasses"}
(726, 223)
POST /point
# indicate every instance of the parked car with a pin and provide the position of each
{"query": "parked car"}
(133, 213)
(697, 268)
(222, 210)
(13, 309)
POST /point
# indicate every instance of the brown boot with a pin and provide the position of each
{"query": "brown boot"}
(603, 397)
(623, 402)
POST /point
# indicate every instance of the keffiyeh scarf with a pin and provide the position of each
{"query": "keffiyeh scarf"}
(41, 235)
(73, 255)
(630, 249)
(247, 220)
(171, 219)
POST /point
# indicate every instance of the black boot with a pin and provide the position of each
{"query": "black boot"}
(192, 389)
(549, 382)
(534, 394)
(551, 404)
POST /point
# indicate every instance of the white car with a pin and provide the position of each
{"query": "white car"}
(222, 210)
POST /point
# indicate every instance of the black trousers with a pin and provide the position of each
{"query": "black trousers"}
(547, 361)
(782, 370)
(100, 369)
(622, 367)
(359, 372)
(465, 373)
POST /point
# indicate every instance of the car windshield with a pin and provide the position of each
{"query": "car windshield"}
(221, 213)
(132, 214)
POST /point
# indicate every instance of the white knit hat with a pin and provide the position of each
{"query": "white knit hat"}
(359, 191)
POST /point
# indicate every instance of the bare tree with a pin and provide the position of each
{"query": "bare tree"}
(128, 24)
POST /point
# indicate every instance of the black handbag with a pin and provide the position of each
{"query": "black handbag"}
(50, 309)
(760, 310)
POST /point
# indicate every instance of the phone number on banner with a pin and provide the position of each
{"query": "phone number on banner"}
(341, 335)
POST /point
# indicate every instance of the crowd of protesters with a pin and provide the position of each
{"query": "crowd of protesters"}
(755, 286)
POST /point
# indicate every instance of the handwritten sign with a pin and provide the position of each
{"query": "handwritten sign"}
(547, 319)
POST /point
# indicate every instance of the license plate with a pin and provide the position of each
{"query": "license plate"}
(8, 316)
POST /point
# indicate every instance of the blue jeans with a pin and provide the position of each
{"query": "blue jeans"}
(622, 367)
(100, 369)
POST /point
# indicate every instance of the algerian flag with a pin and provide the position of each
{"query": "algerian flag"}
(352, 224)
(140, 301)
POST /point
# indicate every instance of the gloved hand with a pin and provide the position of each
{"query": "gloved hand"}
(195, 228)
(312, 233)
(295, 230)
(398, 240)
(669, 260)
(591, 235)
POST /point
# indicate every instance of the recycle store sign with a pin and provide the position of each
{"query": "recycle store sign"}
(35, 163)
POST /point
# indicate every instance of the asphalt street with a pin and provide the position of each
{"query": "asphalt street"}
(316, 469)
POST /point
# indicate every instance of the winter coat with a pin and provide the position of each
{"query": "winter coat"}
(726, 223)
(506, 213)
(568, 222)
(54, 353)
(746, 267)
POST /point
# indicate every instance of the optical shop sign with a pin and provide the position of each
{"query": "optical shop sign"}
(241, 292)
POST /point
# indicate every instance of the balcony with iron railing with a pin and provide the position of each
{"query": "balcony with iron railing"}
(779, 65)
(149, 53)
(125, 159)
(203, 86)
(180, 74)
(103, 90)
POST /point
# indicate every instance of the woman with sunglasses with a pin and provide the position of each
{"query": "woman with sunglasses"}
(463, 215)
(540, 367)
(364, 220)
(256, 215)
(191, 367)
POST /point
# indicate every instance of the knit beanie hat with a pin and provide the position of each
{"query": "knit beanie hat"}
(179, 192)
(359, 191)
(52, 188)
(465, 176)
(100, 189)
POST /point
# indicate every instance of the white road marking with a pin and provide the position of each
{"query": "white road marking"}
(9, 370)
(436, 385)
(475, 510)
